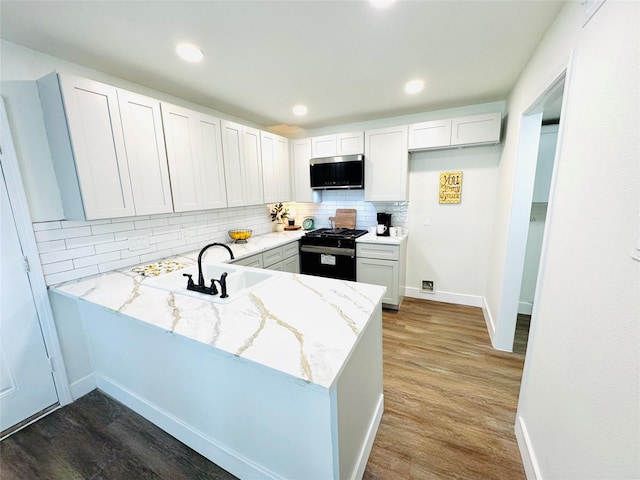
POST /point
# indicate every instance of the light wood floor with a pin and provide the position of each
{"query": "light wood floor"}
(450, 398)
(450, 403)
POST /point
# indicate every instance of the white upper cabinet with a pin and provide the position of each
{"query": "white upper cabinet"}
(194, 150)
(340, 144)
(434, 134)
(87, 145)
(455, 132)
(276, 175)
(301, 151)
(386, 167)
(242, 164)
(476, 129)
(144, 140)
(253, 166)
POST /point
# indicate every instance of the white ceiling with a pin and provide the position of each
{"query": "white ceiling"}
(346, 60)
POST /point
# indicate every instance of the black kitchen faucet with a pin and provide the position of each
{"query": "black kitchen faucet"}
(200, 286)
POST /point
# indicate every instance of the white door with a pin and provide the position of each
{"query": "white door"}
(26, 380)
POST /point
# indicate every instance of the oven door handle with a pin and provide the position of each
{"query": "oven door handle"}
(346, 252)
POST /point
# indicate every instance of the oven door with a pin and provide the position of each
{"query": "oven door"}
(331, 262)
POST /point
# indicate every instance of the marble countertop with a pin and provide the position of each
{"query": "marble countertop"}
(299, 325)
(373, 238)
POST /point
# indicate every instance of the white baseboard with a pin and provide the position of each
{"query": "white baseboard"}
(231, 461)
(488, 319)
(446, 297)
(358, 472)
(81, 387)
(531, 467)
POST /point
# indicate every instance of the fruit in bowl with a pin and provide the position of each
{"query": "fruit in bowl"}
(240, 235)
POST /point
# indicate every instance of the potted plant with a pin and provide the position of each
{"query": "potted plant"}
(278, 213)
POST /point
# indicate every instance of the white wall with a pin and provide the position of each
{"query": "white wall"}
(454, 250)
(578, 414)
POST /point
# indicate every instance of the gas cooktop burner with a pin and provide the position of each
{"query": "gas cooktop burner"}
(336, 233)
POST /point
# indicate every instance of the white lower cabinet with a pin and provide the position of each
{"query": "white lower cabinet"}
(284, 259)
(383, 264)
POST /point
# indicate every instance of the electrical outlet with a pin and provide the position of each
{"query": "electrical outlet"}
(428, 286)
(138, 243)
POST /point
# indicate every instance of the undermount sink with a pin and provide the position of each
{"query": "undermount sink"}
(239, 281)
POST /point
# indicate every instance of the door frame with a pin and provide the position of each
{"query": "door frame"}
(518, 226)
(24, 227)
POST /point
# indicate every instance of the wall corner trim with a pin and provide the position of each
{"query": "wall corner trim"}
(529, 461)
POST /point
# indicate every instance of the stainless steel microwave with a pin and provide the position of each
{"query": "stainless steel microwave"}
(332, 173)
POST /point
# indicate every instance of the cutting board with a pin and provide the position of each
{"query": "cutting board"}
(345, 218)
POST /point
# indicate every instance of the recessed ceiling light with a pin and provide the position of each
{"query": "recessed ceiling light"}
(300, 110)
(381, 3)
(189, 52)
(414, 86)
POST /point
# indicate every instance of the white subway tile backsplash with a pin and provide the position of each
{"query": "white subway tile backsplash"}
(96, 259)
(46, 226)
(91, 240)
(127, 262)
(52, 257)
(112, 247)
(61, 234)
(56, 267)
(75, 249)
(112, 227)
(70, 275)
(145, 224)
(54, 246)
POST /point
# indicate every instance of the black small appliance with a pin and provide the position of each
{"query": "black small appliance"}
(384, 224)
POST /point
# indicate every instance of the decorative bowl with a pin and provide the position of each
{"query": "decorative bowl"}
(240, 235)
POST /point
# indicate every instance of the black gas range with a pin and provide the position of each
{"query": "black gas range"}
(330, 252)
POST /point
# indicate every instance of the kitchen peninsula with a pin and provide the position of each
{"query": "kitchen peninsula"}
(284, 382)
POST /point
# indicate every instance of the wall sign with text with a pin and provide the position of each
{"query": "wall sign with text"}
(450, 187)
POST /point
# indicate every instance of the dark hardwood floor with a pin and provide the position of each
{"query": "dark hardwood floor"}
(450, 403)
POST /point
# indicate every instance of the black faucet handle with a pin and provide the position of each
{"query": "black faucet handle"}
(223, 285)
(212, 288)
(190, 281)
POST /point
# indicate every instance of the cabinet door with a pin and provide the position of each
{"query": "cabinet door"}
(283, 168)
(476, 129)
(212, 178)
(95, 130)
(350, 143)
(434, 134)
(291, 264)
(273, 256)
(380, 272)
(195, 159)
(254, 261)
(233, 151)
(324, 146)
(181, 142)
(252, 167)
(386, 164)
(269, 167)
(302, 179)
(146, 155)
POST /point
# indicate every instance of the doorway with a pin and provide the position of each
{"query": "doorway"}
(538, 139)
(32, 375)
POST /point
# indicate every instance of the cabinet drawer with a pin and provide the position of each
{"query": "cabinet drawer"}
(254, 261)
(272, 256)
(290, 249)
(378, 250)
